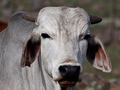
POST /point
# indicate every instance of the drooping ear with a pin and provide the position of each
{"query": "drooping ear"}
(31, 49)
(97, 55)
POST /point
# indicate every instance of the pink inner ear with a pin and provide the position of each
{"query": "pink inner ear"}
(36, 51)
(98, 58)
(27, 62)
(101, 60)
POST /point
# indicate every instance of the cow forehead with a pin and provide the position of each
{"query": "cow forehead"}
(52, 19)
(64, 11)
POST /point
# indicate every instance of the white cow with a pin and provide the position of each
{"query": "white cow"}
(54, 49)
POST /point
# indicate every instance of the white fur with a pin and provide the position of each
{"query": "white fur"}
(64, 25)
(64, 28)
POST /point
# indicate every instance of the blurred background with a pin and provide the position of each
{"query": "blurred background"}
(108, 31)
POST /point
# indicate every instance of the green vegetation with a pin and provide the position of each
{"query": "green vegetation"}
(114, 54)
(94, 86)
(98, 7)
(72, 1)
(98, 27)
(26, 3)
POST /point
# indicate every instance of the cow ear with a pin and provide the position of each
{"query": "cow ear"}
(31, 49)
(97, 55)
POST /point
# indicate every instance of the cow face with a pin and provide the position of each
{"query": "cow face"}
(63, 39)
(63, 47)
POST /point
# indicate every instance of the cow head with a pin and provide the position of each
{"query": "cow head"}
(63, 40)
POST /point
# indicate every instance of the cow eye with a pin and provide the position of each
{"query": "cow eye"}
(44, 35)
(87, 36)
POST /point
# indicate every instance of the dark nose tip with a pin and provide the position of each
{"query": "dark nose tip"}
(68, 71)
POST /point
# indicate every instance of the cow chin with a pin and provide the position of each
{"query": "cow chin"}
(69, 82)
(66, 83)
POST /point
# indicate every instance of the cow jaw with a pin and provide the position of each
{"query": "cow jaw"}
(70, 82)
(67, 83)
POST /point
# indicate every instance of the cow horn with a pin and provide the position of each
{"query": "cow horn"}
(32, 16)
(95, 19)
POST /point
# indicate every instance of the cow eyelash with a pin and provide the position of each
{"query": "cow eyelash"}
(44, 35)
(81, 37)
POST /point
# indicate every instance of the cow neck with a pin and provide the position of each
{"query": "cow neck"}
(47, 80)
(42, 75)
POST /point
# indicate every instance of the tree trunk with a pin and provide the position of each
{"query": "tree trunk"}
(113, 20)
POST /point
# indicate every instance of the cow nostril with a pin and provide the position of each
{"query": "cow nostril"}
(62, 70)
(77, 70)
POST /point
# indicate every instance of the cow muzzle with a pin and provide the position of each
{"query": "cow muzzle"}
(70, 75)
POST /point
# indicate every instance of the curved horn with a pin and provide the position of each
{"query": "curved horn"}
(95, 19)
(32, 16)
